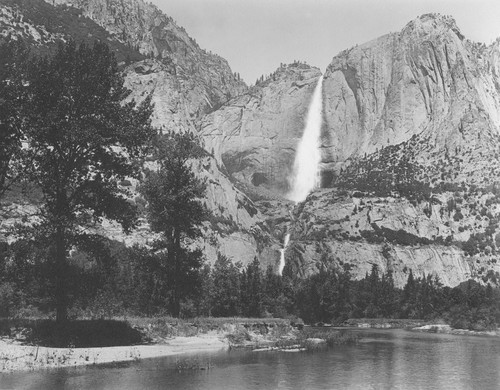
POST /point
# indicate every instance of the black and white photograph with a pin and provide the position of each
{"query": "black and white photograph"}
(249, 194)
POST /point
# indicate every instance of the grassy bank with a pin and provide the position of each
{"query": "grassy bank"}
(28, 344)
(139, 330)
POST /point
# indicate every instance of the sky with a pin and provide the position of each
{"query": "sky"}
(255, 36)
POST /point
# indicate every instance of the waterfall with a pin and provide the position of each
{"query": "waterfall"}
(306, 173)
(282, 254)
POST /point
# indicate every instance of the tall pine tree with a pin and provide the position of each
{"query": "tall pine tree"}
(175, 210)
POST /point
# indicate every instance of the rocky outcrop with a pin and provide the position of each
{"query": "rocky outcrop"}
(255, 135)
(185, 80)
(431, 238)
(153, 78)
(426, 80)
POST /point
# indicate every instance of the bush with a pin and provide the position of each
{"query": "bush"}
(85, 333)
(7, 299)
(239, 336)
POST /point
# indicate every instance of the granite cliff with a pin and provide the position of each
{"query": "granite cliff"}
(410, 141)
(256, 134)
(410, 149)
(186, 81)
(427, 81)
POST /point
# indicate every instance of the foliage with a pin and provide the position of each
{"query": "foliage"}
(251, 290)
(133, 282)
(83, 333)
(390, 171)
(13, 59)
(382, 234)
(80, 141)
(173, 193)
(226, 288)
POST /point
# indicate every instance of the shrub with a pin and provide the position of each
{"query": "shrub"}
(84, 333)
(239, 336)
(7, 299)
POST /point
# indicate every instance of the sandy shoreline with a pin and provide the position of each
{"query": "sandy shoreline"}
(16, 357)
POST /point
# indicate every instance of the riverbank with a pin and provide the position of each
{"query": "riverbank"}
(415, 325)
(159, 337)
(15, 356)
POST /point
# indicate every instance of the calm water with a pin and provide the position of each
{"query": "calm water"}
(384, 359)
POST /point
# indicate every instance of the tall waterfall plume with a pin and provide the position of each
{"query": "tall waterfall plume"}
(306, 172)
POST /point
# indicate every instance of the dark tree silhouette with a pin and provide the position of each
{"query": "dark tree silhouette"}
(80, 142)
(175, 210)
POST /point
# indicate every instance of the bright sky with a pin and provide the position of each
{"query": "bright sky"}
(255, 36)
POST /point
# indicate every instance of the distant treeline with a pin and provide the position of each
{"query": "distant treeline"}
(133, 282)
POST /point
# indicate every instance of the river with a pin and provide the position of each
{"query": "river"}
(384, 359)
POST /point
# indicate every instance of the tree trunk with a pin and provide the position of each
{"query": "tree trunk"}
(61, 275)
(176, 253)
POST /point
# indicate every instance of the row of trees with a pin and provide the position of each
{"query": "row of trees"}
(332, 296)
(66, 132)
(136, 281)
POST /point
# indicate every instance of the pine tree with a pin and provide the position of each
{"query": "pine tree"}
(251, 289)
(226, 291)
(274, 300)
(175, 210)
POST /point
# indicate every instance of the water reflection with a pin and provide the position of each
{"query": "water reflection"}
(385, 359)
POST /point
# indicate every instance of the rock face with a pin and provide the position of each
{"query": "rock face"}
(426, 80)
(412, 137)
(185, 80)
(334, 228)
(12, 24)
(255, 135)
